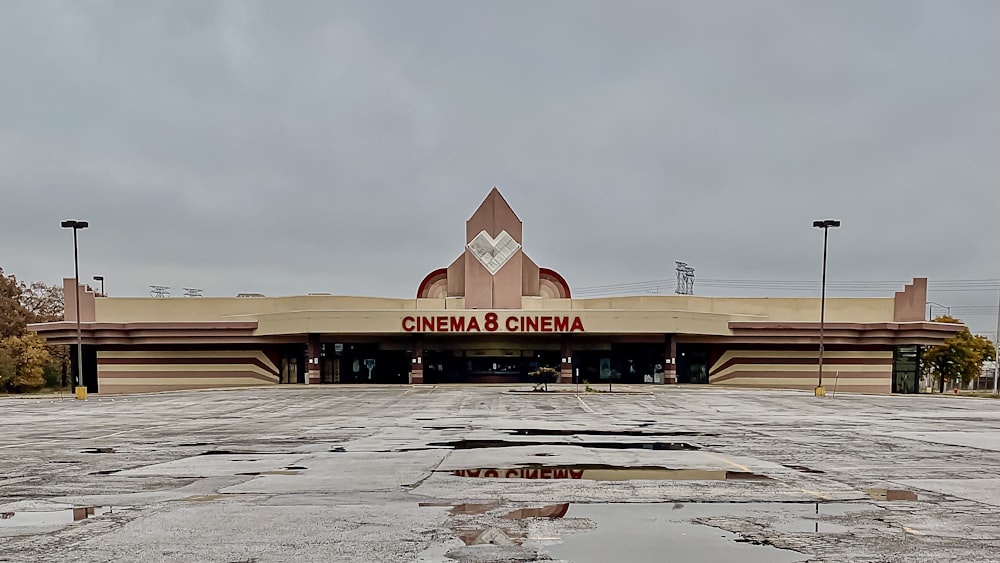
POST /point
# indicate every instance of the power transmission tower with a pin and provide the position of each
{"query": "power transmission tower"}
(685, 279)
(159, 291)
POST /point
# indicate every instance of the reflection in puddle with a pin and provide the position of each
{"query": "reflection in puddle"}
(803, 468)
(891, 494)
(587, 432)
(479, 444)
(473, 508)
(495, 536)
(21, 519)
(598, 472)
(814, 523)
(551, 511)
(468, 508)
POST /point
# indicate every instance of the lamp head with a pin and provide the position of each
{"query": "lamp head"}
(826, 223)
(75, 224)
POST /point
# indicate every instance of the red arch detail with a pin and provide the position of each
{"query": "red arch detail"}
(556, 278)
(440, 273)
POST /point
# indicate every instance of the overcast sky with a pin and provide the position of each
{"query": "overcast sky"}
(293, 147)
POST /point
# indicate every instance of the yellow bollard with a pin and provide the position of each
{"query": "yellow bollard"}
(81, 393)
(821, 392)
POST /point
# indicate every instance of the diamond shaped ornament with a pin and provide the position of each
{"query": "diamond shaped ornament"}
(491, 252)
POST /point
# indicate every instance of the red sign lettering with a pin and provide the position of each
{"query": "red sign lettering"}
(492, 323)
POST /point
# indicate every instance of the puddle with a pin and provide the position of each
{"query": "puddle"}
(98, 451)
(631, 533)
(479, 444)
(271, 472)
(599, 472)
(30, 519)
(644, 532)
(104, 472)
(891, 494)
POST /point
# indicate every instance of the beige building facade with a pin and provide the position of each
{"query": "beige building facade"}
(494, 315)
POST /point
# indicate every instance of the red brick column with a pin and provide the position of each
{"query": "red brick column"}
(670, 367)
(566, 368)
(313, 359)
(417, 364)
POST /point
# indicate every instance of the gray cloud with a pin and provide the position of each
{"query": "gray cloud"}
(317, 146)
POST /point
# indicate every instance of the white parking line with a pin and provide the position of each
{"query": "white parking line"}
(585, 406)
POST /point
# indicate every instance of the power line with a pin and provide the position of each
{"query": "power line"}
(956, 285)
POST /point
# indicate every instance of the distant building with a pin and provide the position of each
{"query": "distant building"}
(985, 380)
(494, 315)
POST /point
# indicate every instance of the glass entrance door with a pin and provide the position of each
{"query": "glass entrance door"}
(485, 366)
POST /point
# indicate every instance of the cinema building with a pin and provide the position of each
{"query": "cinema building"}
(494, 316)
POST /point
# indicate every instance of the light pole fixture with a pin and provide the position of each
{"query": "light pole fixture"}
(930, 309)
(101, 279)
(826, 225)
(81, 390)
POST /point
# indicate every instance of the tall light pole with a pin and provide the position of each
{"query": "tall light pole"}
(101, 279)
(996, 342)
(76, 226)
(825, 224)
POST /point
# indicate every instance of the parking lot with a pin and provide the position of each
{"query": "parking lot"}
(494, 473)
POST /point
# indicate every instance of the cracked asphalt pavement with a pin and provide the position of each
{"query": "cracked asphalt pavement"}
(498, 473)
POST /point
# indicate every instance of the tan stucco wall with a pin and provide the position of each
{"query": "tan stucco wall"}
(767, 308)
(131, 371)
(858, 371)
(332, 314)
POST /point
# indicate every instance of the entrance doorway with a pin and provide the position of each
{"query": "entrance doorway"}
(363, 363)
(486, 366)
